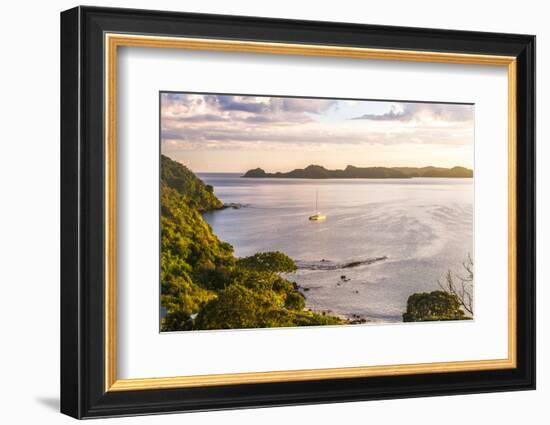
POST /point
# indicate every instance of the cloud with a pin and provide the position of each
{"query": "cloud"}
(223, 137)
(173, 97)
(234, 103)
(270, 105)
(423, 112)
(183, 109)
(314, 106)
(221, 122)
(204, 118)
(243, 108)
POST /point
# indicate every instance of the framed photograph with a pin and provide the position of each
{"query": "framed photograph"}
(261, 212)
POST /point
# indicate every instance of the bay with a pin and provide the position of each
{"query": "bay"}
(416, 228)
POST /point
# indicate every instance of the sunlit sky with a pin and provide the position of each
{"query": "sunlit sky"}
(222, 133)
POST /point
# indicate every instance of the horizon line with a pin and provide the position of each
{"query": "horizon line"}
(330, 169)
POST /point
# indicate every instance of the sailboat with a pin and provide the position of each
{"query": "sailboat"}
(317, 216)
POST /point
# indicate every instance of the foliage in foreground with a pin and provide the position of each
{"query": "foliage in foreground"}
(461, 285)
(178, 177)
(276, 262)
(453, 302)
(203, 285)
(436, 305)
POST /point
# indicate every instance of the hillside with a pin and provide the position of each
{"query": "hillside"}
(203, 285)
(178, 177)
(351, 172)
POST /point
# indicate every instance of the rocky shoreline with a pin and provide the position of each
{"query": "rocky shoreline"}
(335, 265)
(234, 206)
(329, 265)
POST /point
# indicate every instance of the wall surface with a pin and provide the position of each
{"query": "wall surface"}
(29, 225)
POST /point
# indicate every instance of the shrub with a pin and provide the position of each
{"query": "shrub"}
(238, 307)
(275, 262)
(295, 301)
(436, 305)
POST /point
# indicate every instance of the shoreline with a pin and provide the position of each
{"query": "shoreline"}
(333, 287)
(328, 265)
(337, 265)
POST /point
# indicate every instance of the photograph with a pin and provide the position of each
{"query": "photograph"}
(286, 211)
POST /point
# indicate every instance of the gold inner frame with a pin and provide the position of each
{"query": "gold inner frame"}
(113, 41)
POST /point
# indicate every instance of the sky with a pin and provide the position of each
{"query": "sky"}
(226, 133)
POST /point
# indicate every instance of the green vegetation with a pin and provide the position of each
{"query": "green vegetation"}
(453, 302)
(436, 305)
(351, 172)
(178, 177)
(203, 285)
(275, 262)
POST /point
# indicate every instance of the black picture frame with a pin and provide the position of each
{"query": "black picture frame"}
(83, 392)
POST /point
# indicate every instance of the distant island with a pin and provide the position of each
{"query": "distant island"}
(351, 172)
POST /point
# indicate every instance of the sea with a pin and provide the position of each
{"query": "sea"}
(382, 241)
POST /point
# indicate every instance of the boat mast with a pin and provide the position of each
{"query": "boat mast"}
(316, 199)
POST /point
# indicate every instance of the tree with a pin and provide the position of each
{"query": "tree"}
(461, 286)
(275, 262)
(436, 305)
(176, 320)
(178, 177)
(238, 307)
(295, 301)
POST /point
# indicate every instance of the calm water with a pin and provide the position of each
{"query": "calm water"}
(423, 227)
